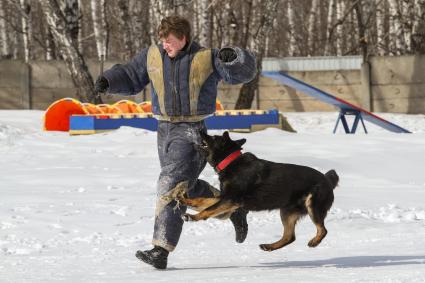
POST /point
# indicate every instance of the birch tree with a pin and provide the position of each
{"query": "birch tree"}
(329, 28)
(74, 61)
(126, 28)
(100, 28)
(418, 28)
(4, 39)
(140, 23)
(268, 15)
(312, 18)
(380, 27)
(340, 37)
(26, 28)
(291, 29)
(204, 23)
(395, 31)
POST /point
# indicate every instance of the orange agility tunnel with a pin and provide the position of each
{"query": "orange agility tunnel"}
(127, 106)
(109, 109)
(57, 115)
(92, 109)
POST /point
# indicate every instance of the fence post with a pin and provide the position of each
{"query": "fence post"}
(366, 88)
(27, 102)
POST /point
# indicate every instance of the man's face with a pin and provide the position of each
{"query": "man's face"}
(173, 45)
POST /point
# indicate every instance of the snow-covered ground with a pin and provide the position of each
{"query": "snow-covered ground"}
(76, 208)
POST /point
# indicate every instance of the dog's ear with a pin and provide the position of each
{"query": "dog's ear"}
(226, 135)
(240, 142)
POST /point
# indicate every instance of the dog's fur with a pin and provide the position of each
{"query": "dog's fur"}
(257, 184)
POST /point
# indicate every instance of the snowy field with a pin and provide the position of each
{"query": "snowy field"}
(76, 208)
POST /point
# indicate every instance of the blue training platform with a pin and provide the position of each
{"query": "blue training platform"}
(225, 119)
(345, 107)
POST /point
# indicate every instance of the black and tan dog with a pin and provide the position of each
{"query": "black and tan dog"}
(256, 184)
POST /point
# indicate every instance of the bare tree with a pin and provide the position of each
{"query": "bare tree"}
(126, 28)
(380, 27)
(100, 28)
(312, 18)
(4, 39)
(291, 29)
(340, 36)
(330, 25)
(204, 23)
(268, 15)
(75, 63)
(141, 25)
(26, 28)
(396, 31)
(418, 29)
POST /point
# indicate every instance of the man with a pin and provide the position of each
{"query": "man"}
(184, 78)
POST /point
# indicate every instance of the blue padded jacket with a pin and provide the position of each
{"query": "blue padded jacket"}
(183, 88)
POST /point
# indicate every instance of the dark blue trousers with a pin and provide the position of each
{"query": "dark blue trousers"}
(180, 161)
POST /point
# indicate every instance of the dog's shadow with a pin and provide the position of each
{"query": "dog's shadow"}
(350, 262)
(338, 262)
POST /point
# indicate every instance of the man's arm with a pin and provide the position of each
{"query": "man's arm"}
(125, 79)
(235, 65)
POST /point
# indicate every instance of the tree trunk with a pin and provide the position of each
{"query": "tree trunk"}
(204, 23)
(74, 61)
(100, 28)
(268, 16)
(330, 23)
(140, 24)
(418, 29)
(362, 30)
(126, 28)
(311, 26)
(380, 27)
(4, 40)
(292, 30)
(340, 36)
(72, 15)
(396, 30)
(26, 28)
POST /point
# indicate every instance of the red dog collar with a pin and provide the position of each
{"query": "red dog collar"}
(226, 161)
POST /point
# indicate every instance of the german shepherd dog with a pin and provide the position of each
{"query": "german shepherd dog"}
(256, 184)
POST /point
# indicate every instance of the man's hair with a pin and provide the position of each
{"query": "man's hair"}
(176, 25)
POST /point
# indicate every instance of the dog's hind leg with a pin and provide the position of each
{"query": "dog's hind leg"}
(318, 220)
(289, 220)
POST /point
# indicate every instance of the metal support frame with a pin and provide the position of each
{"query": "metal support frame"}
(358, 117)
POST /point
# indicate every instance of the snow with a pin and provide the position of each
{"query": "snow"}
(76, 208)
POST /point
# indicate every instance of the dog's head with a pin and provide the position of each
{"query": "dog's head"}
(217, 148)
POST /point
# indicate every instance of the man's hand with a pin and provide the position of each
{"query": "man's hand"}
(101, 85)
(227, 55)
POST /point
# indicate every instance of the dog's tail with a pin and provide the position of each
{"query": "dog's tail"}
(333, 178)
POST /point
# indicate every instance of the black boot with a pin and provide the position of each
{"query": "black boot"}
(238, 219)
(157, 257)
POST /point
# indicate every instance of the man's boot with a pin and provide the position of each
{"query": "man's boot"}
(157, 257)
(238, 219)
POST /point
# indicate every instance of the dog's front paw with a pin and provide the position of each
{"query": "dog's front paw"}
(187, 217)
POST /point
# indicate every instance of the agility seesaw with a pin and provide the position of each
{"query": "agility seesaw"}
(345, 107)
(81, 118)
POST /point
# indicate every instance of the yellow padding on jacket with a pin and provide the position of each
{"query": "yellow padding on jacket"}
(200, 69)
(156, 75)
